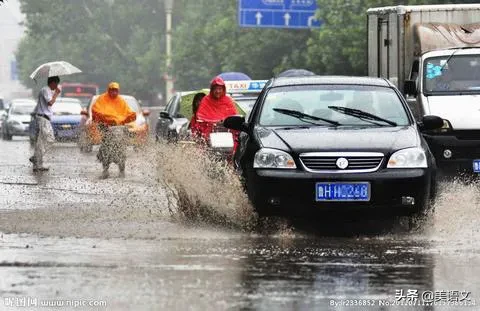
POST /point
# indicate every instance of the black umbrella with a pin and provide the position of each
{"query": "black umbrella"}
(296, 73)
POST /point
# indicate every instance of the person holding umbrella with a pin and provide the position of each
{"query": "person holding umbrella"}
(42, 113)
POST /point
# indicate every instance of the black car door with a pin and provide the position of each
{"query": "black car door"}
(165, 119)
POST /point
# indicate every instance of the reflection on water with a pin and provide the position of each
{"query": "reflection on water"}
(116, 240)
(245, 272)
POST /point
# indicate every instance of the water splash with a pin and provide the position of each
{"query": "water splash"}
(202, 188)
(457, 211)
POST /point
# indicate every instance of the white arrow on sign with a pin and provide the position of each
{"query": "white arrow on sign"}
(287, 18)
(311, 19)
(259, 16)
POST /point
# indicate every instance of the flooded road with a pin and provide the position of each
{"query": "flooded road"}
(72, 241)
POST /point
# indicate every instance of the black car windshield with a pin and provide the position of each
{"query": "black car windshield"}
(452, 74)
(322, 102)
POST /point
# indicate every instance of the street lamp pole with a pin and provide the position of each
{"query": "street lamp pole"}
(168, 54)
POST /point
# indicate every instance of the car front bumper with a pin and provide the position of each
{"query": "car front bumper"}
(453, 152)
(18, 130)
(294, 191)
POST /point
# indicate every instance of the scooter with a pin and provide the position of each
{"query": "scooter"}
(113, 148)
(215, 137)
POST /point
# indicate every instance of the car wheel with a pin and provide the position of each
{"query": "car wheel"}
(422, 217)
(7, 136)
(258, 201)
(88, 148)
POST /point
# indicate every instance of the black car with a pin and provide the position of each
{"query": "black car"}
(335, 144)
(170, 120)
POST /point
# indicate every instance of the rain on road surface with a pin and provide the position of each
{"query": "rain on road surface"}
(68, 236)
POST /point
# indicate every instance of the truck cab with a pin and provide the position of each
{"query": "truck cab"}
(448, 85)
(432, 53)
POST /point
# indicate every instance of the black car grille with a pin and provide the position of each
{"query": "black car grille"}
(328, 163)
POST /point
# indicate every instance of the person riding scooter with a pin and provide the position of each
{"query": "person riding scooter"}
(110, 111)
(213, 109)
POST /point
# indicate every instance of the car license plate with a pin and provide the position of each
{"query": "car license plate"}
(351, 191)
(221, 140)
(476, 166)
(66, 126)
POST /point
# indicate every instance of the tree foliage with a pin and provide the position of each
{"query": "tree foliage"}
(208, 41)
(125, 40)
(109, 40)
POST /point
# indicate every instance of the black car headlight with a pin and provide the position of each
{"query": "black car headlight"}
(273, 158)
(408, 158)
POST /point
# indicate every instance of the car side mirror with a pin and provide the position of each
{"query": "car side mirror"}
(146, 112)
(431, 123)
(164, 115)
(410, 88)
(236, 123)
(84, 112)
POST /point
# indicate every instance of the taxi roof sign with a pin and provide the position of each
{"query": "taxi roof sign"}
(245, 86)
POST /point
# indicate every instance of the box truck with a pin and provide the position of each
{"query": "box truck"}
(432, 54)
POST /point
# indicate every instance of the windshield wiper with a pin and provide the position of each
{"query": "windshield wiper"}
(451, 55)
(304, 117)
(361, 115)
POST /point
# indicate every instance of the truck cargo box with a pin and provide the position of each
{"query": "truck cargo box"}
(391, 48)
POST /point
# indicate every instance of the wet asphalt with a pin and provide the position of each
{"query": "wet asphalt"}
(72, 241)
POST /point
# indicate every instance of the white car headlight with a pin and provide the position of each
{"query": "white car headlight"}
(408, 158)
(273, 158)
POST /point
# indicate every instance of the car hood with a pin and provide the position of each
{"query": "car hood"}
(314, 139)
(66, 119)
(463, 111)
(20, 117)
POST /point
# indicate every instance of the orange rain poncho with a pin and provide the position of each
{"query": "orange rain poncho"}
(112, 111)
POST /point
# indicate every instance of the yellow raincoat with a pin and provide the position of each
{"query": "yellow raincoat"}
(112, 111)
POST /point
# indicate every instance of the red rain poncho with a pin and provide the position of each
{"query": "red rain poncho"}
(212, 111)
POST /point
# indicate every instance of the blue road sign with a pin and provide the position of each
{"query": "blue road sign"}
(298, 14)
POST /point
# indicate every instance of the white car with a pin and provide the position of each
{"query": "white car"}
(18, 117)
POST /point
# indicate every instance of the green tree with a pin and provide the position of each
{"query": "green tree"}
(208, 41)
(109, 40)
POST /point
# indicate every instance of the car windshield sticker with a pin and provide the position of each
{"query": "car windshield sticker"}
(433, 71)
